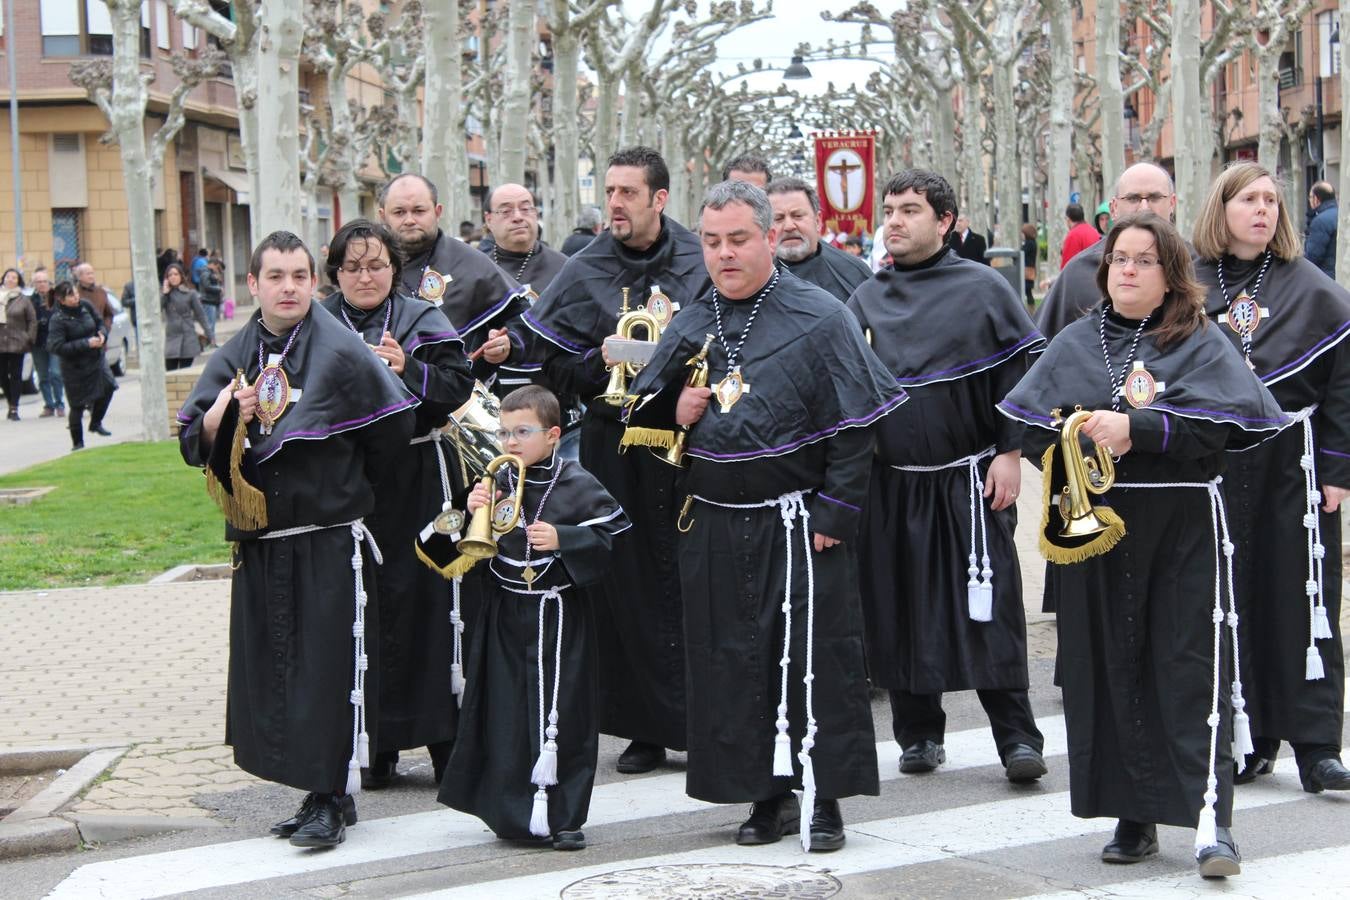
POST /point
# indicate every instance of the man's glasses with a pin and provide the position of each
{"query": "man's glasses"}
(526, 209)
(1137, 199)
(520, 432)
(374, 267)
(1120, 261)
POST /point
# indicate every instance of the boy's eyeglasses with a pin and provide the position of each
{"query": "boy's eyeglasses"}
(520, 432)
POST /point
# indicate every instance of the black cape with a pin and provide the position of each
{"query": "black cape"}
(537, 272)
(416, 705)
(1301, 352)
(1071, 294)
(954, 333)
(490, 767)
(815, 388)
(1134, 625)
(289, 715)
(832, 269)
(640, 624)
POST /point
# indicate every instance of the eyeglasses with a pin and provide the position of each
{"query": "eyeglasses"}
(520, 432)
(1136, 199)
(1120, 261)
(374, 267)
(526, 209)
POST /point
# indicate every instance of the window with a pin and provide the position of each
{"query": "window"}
(1328, 54)
(163, 37)
(83, 28)
(65, 242)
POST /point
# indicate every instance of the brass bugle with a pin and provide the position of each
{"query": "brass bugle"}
(1083, 476)
(698, 377)
(481, 541)
(616, 391)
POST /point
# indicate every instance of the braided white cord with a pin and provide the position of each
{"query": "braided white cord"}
(435, 437)
(545, 771)
(1206, 833)
(1242, 735)
(360, 737)
(809, 738)
(1318, 625)
(782, 743)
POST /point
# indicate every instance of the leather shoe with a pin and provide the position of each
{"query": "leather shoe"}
(1253, 765)
(382, 772)
(325, 826)
(99, 429)
(569, 840)
(1132, 843)
(291, 825)
(1222, 860)
(1024, 764)
(79, 446)
(770, 820)
(1327, 775)
(925, 756)
(827, 827)
(641, 757)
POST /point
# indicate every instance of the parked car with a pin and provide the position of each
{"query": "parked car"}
(120, 337)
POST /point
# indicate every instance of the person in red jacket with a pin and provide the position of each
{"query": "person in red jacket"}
(1081, 235)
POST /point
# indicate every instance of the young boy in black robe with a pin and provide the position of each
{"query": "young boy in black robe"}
(524, 759)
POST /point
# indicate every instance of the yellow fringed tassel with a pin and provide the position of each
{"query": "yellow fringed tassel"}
(1098, 545)
(245, 507)
(456, 568)
(647, 437)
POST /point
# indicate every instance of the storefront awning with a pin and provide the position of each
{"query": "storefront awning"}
(235, 181)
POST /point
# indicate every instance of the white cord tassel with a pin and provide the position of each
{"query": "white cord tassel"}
(545, 771)
(1313, 670)
(457, 651)
(546, 766)
(353, 777)
(1321, 624)
(809, 738)
(782, 743)
(539, 814)
(808, 790)
(980, 588)
(361, 662)
(1207, 832)
(1242, 727)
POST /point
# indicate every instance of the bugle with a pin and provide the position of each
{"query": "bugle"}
(494, 518)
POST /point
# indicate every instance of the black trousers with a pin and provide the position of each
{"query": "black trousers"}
(11, 377)
(97, 411)
(1306, 755)
(919, 717)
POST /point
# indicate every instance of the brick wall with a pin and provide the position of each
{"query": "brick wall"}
(177, 385)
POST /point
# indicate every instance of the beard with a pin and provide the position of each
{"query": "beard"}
(794, 252)
(415, 243)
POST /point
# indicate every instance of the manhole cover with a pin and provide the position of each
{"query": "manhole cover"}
(705, 882)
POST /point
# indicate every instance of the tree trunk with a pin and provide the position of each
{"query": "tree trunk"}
(445, 154)
(672, 152)
(1110, 92)
(1007, 166)
(1059, 143)
(566, 132)
(515, 111)
(631, 118)
(1191, 127)
(972, 168)
(1271, 131)
(278, 202)
(341, 126)
(944, 135)
(606, 137)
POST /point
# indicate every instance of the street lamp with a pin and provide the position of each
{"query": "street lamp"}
(796, 70)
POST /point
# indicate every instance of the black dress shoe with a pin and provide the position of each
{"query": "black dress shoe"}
(382, 772)
(925, 756)
(1222, 860)
(1024, 764)
(79, 446)
(1327, 775)
(770, 820)
(325, 826)
(302, 815)
(827, 827)
(641, 757)
(1253, 765)
(1134, 841)
(99, 429)
(569, 840)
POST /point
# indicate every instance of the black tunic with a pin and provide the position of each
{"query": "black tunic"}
(535, 272)
(84, 369)
(832, 269)
(416, 637)
(640, 620)
(958, 339)
(289, 714)
(1134, 624)
(1301, 352)
(802, 427)
(490, 768)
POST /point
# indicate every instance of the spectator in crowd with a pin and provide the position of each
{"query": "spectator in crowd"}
(854, 245)
(18, 329)
(45, 364)
(466, 232)
(748, 167)
(212, 291)
(93, 293)
(129, 300)
(162, 261)
(968, 243)
(1031, 253)
(76, 333)
(199, 266)
(588, 226)
(182, 306)
(1081, 235)
(1321, 244)
(1102, 221)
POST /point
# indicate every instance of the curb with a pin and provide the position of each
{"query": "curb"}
(193, 572)
(33, 827)
(45, 835)
(98, 828)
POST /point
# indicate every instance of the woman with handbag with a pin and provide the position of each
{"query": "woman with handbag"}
(77, 334)
(18, 328)
(182, 307)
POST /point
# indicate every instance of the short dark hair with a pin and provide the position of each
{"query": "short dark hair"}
(932, 186)
(465, 229)
(362, 230)
(748, 162)
(647, 159)
(1075, 213)
(203, 252)
(1323, 191)
(384, 191)
(537, 399)
(282, 242)
(62, 289)
(16, 272)
(792, 185)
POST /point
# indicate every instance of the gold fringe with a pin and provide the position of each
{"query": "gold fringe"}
(246, 507)
(647, 437)
(456, 568)
(1099, 544)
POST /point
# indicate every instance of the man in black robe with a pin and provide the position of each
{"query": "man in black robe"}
(777, 475)
(419, 618)
(654, 262)
(1141, 186)
(796, 215)
(479, 299)
(324, 420)
(941, 584)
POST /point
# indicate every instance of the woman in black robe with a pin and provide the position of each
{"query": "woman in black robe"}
(77, 334)
(1140, 625)
(1291, 323)
(418, 702)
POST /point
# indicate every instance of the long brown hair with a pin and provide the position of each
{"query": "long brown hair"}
(1183, 305)
(1211, 227)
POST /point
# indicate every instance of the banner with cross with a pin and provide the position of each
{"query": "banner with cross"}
(845, 180)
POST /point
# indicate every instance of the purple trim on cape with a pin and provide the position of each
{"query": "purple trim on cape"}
(829, 499)
(1314, 351)
(538, 327)
(339, 427)
(1182, 411)
(486, 316)
(917, 380)
(793, 445)
(184, 420)
(1020, 412)
(439, 337)
(1335, 453)
(426, 376)
(1167, 432)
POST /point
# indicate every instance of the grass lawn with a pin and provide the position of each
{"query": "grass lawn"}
(119, 515)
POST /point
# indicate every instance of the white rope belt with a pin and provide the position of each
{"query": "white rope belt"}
(1319, 626)
(545, 772)
(791, 507)
(980, 587)
(1206, 833)
(436, 438)
(360, 737)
